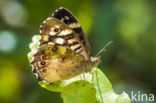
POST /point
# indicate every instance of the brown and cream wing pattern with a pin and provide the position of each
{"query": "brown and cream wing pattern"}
(68, 18)
(55, 32)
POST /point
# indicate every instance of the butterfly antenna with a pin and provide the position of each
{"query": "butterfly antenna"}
(104, 48)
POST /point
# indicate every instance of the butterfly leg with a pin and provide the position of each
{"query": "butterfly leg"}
(83, 79)
(92, 79)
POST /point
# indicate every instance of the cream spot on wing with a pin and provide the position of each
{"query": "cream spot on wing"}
(79, 50)
(65, 32)
(32, 61)
(66, 17)
(51, 43)
(74, 25)
(44, 21)
(57, 26)
(70, 41)
(40, 31)
(36, 75)
(56, 10)
(78, 25)
(49, 18)
(52, 28)
(61, 8)
(60, 40)
(62, 19)
(74, 46)
(52, 33)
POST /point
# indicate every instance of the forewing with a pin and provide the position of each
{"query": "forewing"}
(68, 18)
(55, 32)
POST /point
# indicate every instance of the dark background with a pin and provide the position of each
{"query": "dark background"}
(129, 63)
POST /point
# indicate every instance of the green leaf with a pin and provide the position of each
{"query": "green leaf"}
(77, 90)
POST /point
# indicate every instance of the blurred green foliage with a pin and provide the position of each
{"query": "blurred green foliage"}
(130, 63)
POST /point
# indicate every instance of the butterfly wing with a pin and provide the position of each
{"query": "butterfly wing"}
(68, 18)
(53, 63)
(55, 32)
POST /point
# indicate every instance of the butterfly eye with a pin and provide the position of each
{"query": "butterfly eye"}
(56, 30)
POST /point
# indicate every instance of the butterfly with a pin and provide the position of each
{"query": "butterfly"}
(64, 50)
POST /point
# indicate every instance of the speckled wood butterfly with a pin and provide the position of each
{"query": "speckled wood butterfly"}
(64, 50)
